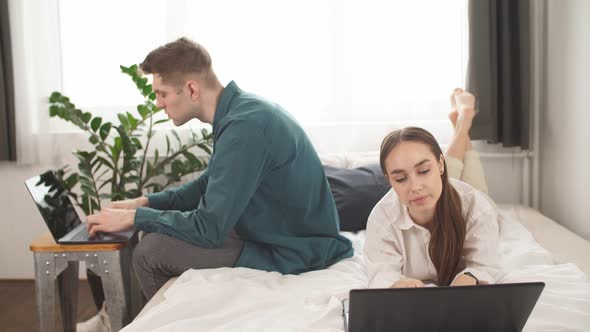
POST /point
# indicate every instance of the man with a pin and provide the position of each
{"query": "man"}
(262, 203)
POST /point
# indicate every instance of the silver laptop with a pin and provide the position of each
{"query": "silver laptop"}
(499, 307)
(60, 215)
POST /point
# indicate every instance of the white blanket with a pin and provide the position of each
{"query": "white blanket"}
(243, 299)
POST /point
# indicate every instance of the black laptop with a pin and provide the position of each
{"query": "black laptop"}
(61, 217)
(499, 307)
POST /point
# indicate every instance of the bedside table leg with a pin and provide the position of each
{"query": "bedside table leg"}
(136, 298)
(45, 290)
(115, 293)
(68, 295)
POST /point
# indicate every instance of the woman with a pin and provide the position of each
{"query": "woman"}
(429, 228)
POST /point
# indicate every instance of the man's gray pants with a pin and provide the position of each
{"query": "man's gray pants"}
(159, 257)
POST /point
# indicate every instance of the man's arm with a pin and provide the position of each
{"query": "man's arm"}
(234, 175)
(183, 198)
(120, 215)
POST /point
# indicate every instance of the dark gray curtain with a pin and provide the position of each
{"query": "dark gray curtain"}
(7, 125)
(499, 69)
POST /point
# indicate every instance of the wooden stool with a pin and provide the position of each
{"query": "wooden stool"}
(111, 261)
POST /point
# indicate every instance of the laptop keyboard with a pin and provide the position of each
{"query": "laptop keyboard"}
(81, 235)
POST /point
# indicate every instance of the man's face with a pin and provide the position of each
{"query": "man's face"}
(174, 100)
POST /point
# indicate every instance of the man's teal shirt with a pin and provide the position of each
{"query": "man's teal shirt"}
(266, 182)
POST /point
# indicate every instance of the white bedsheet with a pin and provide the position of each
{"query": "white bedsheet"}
(242, 299)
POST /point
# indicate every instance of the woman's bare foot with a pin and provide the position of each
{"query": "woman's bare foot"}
(465, 102)
(454, 113)
(453, 117)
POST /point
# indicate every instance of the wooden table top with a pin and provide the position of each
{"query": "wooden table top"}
(46, 243)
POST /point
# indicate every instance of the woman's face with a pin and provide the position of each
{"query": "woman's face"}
(415, 175)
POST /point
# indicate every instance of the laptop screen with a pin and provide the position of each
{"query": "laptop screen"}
(54, 204)
(494, 307)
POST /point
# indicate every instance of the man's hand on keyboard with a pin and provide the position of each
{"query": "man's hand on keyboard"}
(110, 220)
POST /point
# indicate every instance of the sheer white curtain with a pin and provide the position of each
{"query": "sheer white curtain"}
(35, 59)
(335, 61)
(347, 70)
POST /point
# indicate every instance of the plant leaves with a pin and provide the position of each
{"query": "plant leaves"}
(105, 130)
(95, 124)
(147, 90)
(137, 143)
(53, 110)
(105, 162)
(156, 187)
(95, 205)
(132, 121)
(85, 181)
(54, 97)
(123, 170)
(99, 177)
(190, 157)
(71, 181)
(205, 148)
(105, 183)
(96, 164)
(118, 144)
(133, 193)
(148, 168)
(143, 111)
(177, 166)
(86, 204)
(141, 82)
(123, 120)
(87, 189)
(85, 117)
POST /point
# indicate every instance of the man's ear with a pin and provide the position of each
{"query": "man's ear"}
(193, 89)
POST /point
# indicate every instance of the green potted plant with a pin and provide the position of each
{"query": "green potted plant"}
(119, 166)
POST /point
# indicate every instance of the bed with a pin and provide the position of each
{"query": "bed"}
(532, 247)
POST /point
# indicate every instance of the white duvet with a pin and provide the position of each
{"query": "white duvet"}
(243, 299)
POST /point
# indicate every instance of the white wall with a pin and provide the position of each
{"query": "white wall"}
(20, 221)
(565, 119)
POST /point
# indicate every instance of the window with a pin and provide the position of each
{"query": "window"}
(327, 62)
(324, 61)
(333, 61)
(97, 37)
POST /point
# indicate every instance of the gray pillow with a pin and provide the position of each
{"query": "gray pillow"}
(356, 191)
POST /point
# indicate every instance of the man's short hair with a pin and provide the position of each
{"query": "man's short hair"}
(178, 58)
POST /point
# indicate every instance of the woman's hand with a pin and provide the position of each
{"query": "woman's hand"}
(464, 280)
(407, 283)
(130, 204)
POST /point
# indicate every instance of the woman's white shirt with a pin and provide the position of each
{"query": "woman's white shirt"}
(396, 247)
